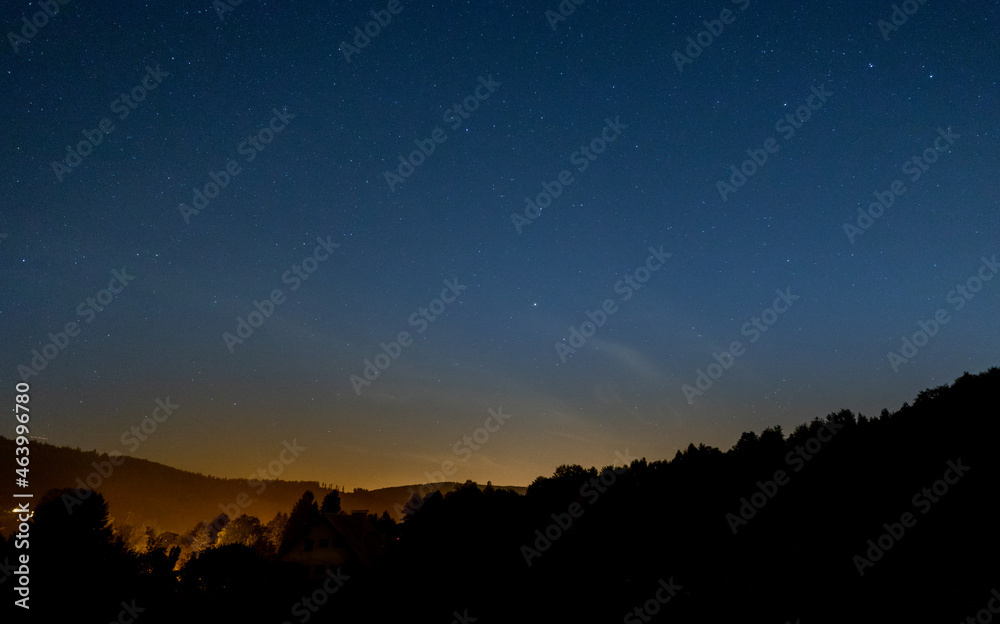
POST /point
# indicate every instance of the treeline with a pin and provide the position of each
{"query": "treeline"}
(846, 518)
(810, 526)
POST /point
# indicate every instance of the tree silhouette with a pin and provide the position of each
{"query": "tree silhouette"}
(304, 514)
(76, 557)
(331, 503)
(747, 444)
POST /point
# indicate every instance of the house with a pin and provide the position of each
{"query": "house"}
(337, 540)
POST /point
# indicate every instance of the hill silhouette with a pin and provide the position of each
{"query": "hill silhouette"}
(847, 518)
(146, 493)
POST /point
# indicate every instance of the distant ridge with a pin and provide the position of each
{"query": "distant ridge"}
(143, 492)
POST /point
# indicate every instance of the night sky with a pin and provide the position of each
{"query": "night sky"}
(595, 166)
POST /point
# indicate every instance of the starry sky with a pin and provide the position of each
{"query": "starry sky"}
(472, 185)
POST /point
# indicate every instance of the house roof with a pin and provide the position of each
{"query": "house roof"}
(356, 531)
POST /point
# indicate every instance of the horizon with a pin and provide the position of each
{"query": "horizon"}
(593, 229)
(348, 489)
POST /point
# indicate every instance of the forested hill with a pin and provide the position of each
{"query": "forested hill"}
(846, 518)
(142, 492)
